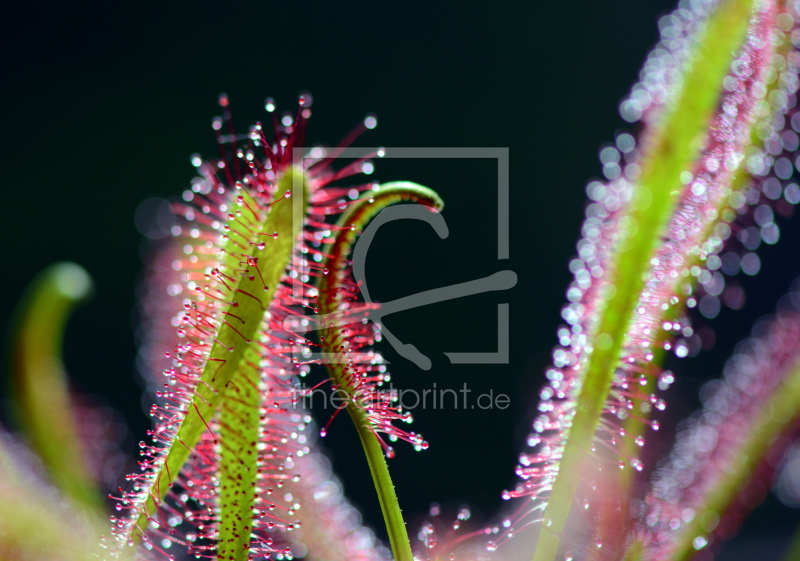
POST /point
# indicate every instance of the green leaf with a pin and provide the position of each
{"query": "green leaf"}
(39, 384)
(718, 465)
(238, 467)
(671, 149)
(227, 372)
(741, 180)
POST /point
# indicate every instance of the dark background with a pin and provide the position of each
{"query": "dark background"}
(103, 103)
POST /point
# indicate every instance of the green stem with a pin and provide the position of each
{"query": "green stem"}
(390, 507)
(334, 340)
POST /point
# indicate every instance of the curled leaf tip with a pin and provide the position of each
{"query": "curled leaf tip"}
(355, 369)
(71, 280)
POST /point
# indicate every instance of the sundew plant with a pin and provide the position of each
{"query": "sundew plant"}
(259, 282)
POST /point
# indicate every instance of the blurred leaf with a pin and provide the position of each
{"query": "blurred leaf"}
(671, 149)
(39, 384)
(35, 523)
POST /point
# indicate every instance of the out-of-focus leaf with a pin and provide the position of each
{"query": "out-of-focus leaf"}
(39, 383)
(36, 524)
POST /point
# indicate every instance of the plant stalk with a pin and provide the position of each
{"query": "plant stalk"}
(390, 507)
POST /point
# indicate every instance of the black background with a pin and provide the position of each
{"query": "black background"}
(102, 104)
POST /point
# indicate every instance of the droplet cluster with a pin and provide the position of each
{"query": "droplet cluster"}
(766, 185)
(440, 540)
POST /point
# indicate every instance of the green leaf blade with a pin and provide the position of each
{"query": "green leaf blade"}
(227, 375)
(39, 384)
(671, 149)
